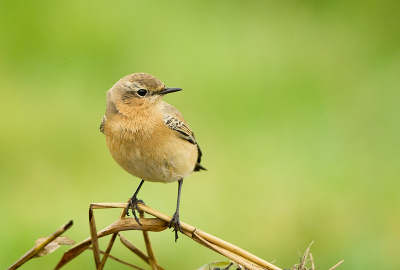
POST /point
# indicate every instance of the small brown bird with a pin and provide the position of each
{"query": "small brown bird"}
(149, 138)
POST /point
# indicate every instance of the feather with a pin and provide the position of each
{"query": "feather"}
(103, 122)
(174, 120)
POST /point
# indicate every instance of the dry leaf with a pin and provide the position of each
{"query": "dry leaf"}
(52, 246)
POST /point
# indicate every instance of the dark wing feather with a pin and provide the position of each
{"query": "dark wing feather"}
(179, 126)
(103, 122)
(174, 120)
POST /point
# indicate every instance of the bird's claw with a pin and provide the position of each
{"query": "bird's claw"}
(133, 204)
(176, 224)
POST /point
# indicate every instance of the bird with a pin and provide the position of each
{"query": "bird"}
(148, 137)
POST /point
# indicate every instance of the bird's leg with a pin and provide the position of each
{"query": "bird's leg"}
(133, 203)
(175, 219)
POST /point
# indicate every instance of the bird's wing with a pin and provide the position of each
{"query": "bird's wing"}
(103, 122)
(174, 120)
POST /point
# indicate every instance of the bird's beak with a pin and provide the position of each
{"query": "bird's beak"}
(168, 90)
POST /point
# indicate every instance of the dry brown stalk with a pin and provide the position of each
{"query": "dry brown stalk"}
(234, 257)
(107, 253)
(336, 265)
(148, 224)
(52, 246)
(303, 259)
(37, 248)
(95, 240)
(110, 244)
(133, 248)
(120, 261)
(189, 231)
(160, 223)
(237, 250)
(150, 252)
(123, 224)
(108, 205)
(312, 262)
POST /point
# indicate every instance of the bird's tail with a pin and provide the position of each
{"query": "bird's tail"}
(198, 167)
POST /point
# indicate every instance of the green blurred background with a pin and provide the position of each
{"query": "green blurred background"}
(294, 103)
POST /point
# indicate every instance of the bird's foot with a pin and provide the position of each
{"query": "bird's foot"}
(176, 224)
(133, 204)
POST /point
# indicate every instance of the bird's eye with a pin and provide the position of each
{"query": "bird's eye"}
(142, 92)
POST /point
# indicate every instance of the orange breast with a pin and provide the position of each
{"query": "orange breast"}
(148, 149)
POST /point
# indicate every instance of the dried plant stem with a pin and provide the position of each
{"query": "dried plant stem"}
(189, 231)
(303, 260)
(107, 253)
(312, 262)
(120, 261)
(35, 250)
(123, 224)
(150, 252)
(134, 248)
(95, 240)
(236, 250)
(108, 205)
(110, 244)
(234, 257)
(160, 223)
(336, 265)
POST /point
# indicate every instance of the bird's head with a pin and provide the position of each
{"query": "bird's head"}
(139, 90)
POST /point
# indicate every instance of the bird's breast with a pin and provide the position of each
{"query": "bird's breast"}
(150, 150)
